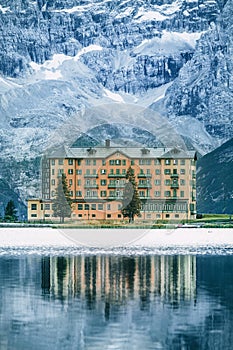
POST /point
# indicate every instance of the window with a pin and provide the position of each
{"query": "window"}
(118, 162)
(157, 171)
(141, 161)
(79, 161)
(94, 161)
(70, 171)
(157, 161)
(79, 172)
(71, 193)
(60, 171)
(141, 194)
(157, 193)
(80, 215)
(87, 172)
(53, 161)
(182, 194)
(53, 171)
(132, 162)
(34, 215)
(111, 172)
(70, 161)
(119, 216)
(157, 182)
(147, 171)
(103, 182)
(174, 171)
(158, 216)
(70, 182)
(167, 161)
(182, 182)
(86, 207)
(41, 206)
(53, 182)
(167, 193)
(88, 162)
(78, 193)
(93, 207)
(123, 162)
(103, 171)
(93, 215)
(175, 161)
(123, 171)
(80, 207)
(103, 193)
(117, 171)
(111, 162)
(119, 206)
(167, 171)
(177, 216)
(103, 162)
(182, 171)
(47, 206)
(79, 182)
(182, 162)
(167, 182)
(33, 206)
(94, 171)
(100, 206)
(167, 216)
(108, 206)
(60, 161)
(109, 215)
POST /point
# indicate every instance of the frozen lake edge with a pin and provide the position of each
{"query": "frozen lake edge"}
(101, 238)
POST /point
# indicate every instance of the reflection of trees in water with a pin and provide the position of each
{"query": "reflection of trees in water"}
(118, 279)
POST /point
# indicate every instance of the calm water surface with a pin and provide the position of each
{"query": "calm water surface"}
(116, 302)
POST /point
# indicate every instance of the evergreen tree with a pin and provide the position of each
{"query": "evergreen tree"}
(62, 203)
(131, 203)
(10, 212)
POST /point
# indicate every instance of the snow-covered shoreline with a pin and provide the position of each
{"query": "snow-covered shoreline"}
(101, 238)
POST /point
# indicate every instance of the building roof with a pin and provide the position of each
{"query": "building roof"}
(130, 152)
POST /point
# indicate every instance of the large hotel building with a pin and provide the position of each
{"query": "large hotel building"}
(96, 176)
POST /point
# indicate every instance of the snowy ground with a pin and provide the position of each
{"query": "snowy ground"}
(101, 238)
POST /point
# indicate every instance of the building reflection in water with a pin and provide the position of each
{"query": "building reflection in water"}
(116, 279)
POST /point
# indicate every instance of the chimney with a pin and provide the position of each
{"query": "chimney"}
(107, 143)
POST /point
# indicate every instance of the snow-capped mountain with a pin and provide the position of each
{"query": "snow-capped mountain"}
(60, 58)
(203, 92)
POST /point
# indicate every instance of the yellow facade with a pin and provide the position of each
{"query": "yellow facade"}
(166, 181)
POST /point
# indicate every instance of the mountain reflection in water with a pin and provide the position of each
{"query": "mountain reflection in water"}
(116, 302)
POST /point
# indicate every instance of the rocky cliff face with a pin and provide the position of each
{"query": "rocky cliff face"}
(59, 58)
(214, 179)
(203, 91)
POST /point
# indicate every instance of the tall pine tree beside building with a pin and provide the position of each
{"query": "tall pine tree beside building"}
(62, 203)
(10, 212)
(131, 203)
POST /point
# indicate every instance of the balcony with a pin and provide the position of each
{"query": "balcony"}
(144, 176)
(116, 176)
(144, 186)
(91, 186)
(95, 176)
(174, 176)
(116, 185)
(174, 185)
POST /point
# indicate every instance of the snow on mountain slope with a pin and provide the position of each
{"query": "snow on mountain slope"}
(58, 58)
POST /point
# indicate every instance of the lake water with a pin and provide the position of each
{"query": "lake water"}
(114, 301)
